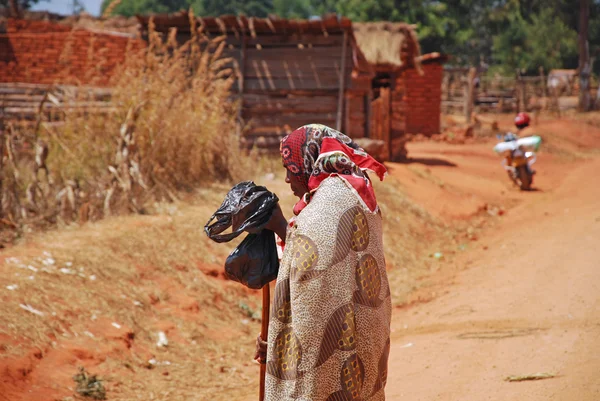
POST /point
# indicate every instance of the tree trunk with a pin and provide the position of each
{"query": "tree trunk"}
(14, 9)
(470, 94)
(584, 56)
(597, 106)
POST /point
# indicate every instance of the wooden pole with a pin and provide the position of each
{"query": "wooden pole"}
(543, 82)
(241, 79)
(584, 56)
(367, 106)
(597, 101)
(518, 90)
(15, 10)
(469, 94)
(264, 334)
(524, 94)
(386, 108)
(340, 108)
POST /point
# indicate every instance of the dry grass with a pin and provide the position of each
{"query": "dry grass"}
(410, 233)
(172, 130)
(146, 274)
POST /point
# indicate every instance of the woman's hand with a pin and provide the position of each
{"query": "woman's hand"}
(260, 355)
(277, 223)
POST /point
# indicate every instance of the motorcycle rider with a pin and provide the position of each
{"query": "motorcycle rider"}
(522, 121)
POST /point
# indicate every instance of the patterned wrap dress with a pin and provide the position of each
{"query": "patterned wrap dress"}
(329, 334)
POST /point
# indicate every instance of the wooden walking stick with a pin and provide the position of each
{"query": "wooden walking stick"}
(264, 332)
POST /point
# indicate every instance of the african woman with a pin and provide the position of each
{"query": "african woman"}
(329, 333)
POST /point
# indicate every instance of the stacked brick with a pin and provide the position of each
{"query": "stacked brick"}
(422, 99)
(34, 26)
(48, 53)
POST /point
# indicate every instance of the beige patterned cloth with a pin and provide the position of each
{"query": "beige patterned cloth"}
(330, 323)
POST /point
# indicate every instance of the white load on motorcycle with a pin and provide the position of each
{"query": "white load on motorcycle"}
(528, 143)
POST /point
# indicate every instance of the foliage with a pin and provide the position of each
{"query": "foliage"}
(525, 34)
(21, 4)
(545, 42)
(258, 8)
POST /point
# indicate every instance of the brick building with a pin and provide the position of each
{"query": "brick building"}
(423, 95)
(405, 90)
(48, 52)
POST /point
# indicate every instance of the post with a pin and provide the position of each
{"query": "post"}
(385, 120)
(543, 82)
(15, 10)
(584, 56)
(524, 94)
(597, 101)
(340, 108)
(264, 334)
(517, 90)
(241, 78)
(469, 94)
(367, 106)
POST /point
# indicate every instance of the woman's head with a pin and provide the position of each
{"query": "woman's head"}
(297, 184)
(302, 158)
(314, 152)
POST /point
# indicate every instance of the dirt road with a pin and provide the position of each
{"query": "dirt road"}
(528, 304)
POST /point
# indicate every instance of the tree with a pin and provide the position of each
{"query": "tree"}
(255, 8)
(542, 40)
(584, 56)
(293, 9)
(215, 8)
(509, 34)
(130, 8)
(16, 7)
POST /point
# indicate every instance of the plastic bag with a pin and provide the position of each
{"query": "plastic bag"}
(255, 262)
(247, 207)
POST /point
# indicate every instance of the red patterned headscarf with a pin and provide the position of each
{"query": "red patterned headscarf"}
(315, 152)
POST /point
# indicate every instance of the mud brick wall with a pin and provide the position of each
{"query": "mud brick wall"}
(423, 99)
(47, 53)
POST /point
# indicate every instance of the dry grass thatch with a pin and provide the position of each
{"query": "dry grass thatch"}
(382, 43)
(116, 24)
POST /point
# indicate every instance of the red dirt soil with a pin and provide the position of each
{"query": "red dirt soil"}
(526, 301)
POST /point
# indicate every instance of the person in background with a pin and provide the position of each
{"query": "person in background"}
(522, 122)
(329, 333)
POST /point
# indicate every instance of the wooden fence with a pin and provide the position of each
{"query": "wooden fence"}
(464, 90)
(25, 102)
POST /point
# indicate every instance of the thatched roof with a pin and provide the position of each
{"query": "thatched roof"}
(114, 24)
(387, 43)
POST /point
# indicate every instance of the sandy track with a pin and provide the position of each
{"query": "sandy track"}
(528, 304)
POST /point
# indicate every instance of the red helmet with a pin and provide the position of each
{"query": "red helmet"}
(522, 120)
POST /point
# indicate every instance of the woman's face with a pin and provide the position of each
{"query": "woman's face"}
(298, 187)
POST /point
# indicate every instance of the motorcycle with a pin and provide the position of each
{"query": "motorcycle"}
(519, 157)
